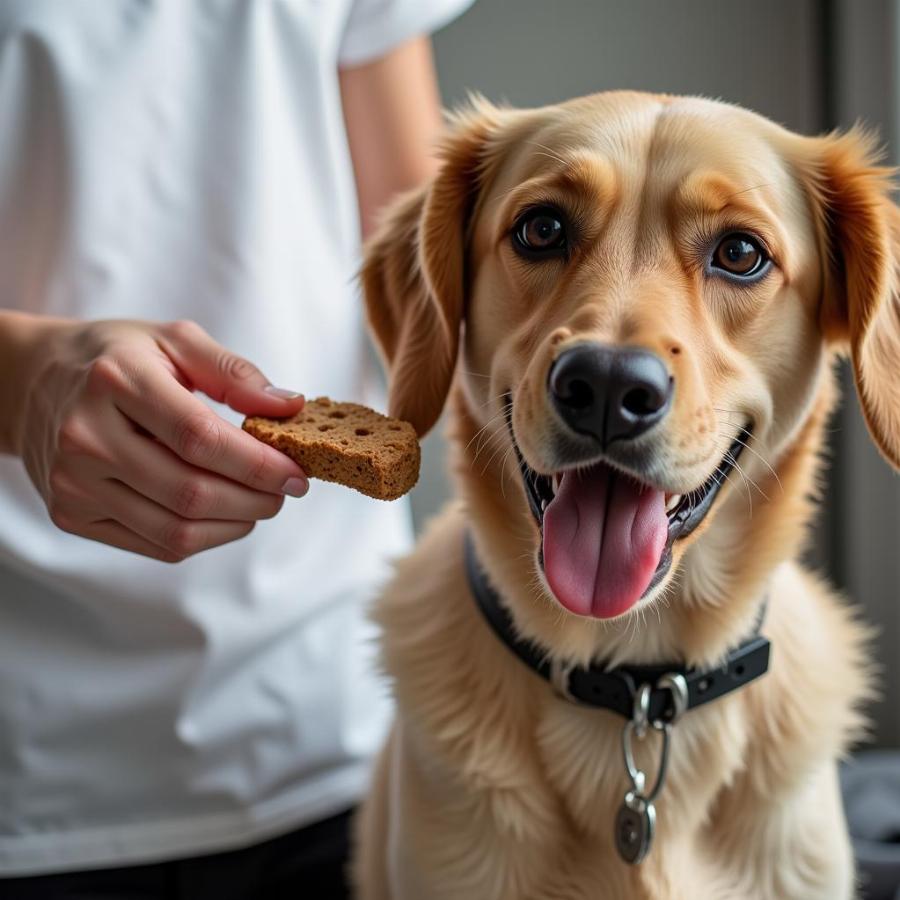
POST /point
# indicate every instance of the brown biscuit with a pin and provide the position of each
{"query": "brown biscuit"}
(347, 443)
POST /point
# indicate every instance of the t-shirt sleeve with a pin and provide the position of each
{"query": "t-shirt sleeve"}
(374, 27)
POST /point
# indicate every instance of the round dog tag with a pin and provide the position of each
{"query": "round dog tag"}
(635, 823)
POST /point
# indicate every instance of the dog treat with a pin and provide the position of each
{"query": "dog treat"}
(348, 444)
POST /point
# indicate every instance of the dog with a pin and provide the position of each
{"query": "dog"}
(631, 305)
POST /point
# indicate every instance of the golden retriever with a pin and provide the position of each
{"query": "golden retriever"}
(633, 303)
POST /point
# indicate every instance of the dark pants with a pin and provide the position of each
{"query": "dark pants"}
(309, 863)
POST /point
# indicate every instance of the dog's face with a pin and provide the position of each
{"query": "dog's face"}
(650, 288)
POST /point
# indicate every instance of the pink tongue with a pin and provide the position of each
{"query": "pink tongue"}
(604, 535)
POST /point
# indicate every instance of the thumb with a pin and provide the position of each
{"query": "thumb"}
(225, 376)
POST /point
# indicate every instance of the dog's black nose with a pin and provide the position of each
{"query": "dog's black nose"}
(611, 393)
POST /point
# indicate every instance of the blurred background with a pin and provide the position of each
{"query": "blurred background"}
(812, 65)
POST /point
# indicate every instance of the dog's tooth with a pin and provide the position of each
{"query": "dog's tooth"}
(673, 501)
(554, 482)
(543, 505)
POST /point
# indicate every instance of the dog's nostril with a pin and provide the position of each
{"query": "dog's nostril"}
(640, 402)
(577, 394)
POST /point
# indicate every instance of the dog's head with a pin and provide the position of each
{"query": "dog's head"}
(650, 289)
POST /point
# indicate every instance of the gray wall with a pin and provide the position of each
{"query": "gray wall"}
(810, 65)
(863, 532)
(532, 52)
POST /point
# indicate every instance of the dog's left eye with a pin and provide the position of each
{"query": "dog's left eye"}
(540, 232)
(740, 255)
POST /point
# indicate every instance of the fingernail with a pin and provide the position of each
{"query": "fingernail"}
(295, 487)
(281, 393)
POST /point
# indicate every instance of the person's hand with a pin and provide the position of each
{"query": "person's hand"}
(123, 453)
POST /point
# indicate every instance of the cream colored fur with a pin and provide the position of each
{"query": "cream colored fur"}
(491, 787)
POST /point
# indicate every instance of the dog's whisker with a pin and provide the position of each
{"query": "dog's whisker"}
(496, 438)
(484, 440)
(493, 456)
(548, 152)
(728, 474)
(755, 187)
(747, 486)
(488, 464)
(474, 437)
(491, 400)
(483, 427)
(501, 412)
(744, 475)
(503, 471)
(760, 457)
(493, 419)
(632, 630)
(504, 409)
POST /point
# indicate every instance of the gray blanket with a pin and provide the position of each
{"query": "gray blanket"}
(871, 788)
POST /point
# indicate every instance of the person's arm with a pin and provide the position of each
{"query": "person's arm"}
(392, 113)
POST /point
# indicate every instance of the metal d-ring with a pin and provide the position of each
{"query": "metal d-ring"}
(638, 778)
(676, 684)
(640, 710)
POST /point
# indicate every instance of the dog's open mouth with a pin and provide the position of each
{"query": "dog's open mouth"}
(606, 537)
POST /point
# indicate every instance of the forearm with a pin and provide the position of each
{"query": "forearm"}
(392, 113)
(21, 337)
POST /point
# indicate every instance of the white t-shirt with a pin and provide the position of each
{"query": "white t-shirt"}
(169, 159)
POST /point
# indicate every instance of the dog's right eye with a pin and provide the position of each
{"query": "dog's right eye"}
(540, 232)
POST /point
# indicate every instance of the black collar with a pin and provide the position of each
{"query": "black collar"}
(615, 689)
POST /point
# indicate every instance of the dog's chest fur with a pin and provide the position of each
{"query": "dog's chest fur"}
(528, 785)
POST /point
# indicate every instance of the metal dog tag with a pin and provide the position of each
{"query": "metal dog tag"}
(635, 824)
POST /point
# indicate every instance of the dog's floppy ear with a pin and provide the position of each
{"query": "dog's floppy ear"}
(860, 235)
(413, 274)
